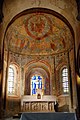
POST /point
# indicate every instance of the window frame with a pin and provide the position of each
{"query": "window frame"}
(11, 76)
(15, 90)
(31, 82)
(64, 82)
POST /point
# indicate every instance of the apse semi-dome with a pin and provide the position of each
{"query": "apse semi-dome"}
(38, 34)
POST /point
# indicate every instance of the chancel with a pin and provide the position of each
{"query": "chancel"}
(39, 59)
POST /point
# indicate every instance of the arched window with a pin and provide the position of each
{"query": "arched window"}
(36, 84)
(11, 81)
(65, 83)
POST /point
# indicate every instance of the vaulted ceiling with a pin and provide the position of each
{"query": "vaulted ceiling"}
(38, 33)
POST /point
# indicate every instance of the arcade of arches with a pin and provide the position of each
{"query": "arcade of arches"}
(38, 58)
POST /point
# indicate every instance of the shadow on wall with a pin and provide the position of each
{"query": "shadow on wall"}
(64, 108)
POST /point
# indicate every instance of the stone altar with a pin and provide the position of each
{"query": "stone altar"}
(32, 103)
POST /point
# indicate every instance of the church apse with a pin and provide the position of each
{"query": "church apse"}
(38, 43)
(37, 88)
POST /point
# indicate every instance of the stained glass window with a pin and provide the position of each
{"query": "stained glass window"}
(65, 80)
(11, 81)
(36, 83)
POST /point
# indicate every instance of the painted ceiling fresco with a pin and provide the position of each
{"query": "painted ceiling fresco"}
(38, 34)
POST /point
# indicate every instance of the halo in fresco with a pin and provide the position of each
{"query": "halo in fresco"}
(38, 34)
(38, 26)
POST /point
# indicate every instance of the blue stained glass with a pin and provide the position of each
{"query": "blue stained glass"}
(40, 85)
(34, 85)
(34, 91)
(39, 77)
(34, 78)
(36, 81)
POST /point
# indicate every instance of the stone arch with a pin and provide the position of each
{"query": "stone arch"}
(41, 69)
(16, 69)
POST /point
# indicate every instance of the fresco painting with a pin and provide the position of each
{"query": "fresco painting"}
(40, 34)
(38, 26)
